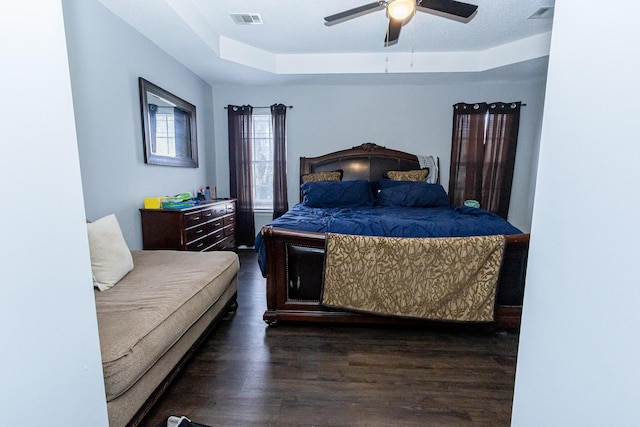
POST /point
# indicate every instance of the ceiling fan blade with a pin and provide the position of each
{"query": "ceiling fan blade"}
(393, 33)
(351, 13)
(450, 7)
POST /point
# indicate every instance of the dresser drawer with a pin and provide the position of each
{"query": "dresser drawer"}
(228, 243)
(192, 219)
(231, 219)
(197, 232)
(208, 214)
(230, 230)
(217, 223)
(199, 245)
(218, 234)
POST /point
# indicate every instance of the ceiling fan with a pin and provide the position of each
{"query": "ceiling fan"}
(399, 11)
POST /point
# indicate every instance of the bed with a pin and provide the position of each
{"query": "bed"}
(292, 249)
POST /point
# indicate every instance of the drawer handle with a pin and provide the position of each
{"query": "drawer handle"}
(200, 245)
(199, 231)
(195, 219)
(208, 214)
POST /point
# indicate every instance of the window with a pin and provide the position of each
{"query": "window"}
(262, 162)
(165, 132)
(257, 165)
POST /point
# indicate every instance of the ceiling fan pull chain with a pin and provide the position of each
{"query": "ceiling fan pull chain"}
(386, 57)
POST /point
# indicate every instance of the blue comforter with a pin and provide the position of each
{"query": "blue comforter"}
(459, 221)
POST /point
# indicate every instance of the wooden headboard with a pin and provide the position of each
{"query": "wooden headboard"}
(367, 161)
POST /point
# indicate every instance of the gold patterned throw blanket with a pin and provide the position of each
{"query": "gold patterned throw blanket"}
(450, 278)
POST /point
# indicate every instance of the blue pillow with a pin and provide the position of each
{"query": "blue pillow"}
(336, 194)
(411, 194)
(389, 183)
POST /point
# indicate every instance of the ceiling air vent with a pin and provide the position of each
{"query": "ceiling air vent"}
(544, 12)
(246, 18)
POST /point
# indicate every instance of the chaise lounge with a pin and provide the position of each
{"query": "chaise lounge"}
(152, 319)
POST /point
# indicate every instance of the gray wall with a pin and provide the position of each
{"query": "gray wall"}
(416, 118)
(579, 347)
(106, 58)
(50, 365)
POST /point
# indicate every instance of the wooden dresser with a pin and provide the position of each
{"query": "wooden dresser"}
(210, 226)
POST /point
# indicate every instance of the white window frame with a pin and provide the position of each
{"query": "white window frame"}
(262, 160)
(165, 132)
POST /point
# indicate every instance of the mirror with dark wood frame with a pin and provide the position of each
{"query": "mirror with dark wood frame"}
(168, 127)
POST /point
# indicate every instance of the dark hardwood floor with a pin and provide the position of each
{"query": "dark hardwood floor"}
(249, 374)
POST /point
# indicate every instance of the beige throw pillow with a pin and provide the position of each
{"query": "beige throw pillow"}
(111, 259)
(412, 175)
(322, 176)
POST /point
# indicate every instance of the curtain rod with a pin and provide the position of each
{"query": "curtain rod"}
(286, 106)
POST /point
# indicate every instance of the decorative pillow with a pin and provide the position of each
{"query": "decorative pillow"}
(412, 175)
(337, 194)
(322, 176)
(111, 259)
(411, 194)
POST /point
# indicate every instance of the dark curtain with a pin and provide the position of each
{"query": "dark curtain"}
(278, 122)
(483, 152)
(503, 122)
(465, 176)
(241, 171)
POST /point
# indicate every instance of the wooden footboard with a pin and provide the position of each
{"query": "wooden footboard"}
(295, 264)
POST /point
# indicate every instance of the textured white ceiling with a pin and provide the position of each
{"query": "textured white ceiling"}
(295, 26)
(294, 45)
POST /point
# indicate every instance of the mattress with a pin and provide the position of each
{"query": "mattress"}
(149, 310)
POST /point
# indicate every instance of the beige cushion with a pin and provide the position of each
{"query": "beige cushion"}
(110, 257)
(412, 175)
(322, 176)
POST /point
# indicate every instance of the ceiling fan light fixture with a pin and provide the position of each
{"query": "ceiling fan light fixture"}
(400, 12)
(401, 9)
